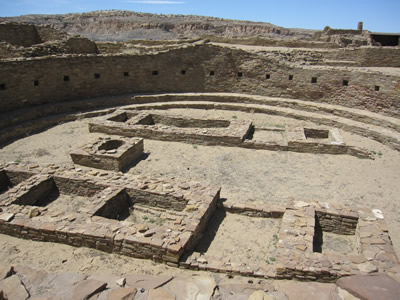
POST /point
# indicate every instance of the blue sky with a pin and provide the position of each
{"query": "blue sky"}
(377, 15)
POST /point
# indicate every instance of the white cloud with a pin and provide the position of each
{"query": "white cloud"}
(156, 2)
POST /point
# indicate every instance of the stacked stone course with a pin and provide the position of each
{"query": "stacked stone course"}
(234, 133)
(109, 153)
(87, 227)
(17, 77)
(96, 224)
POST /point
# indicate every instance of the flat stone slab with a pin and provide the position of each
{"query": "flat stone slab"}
(123, 294)
(146, 281)
(6, 217)
(376, 286)
(160, 294)
(5, 271)
(13, 288)
(239, 290)
(57, 285)
(193, 288)
(310, 291)
(31, 278)
(87, 288)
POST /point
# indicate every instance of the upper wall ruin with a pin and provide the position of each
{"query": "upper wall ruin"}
(19, 34)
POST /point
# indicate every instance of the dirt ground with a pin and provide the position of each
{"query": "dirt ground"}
(225, 238)
(244, 175)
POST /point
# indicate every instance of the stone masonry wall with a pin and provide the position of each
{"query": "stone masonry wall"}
(19, 35)
(194, 68)
(367, 56)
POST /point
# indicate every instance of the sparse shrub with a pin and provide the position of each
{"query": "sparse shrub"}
(42, 152)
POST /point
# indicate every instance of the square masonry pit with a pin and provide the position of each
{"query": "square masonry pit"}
(335, 236)
(110, 153)
(10, 179)
(56, 193)
(102, 218)
(317, 135)
(142, 217)
(128, 207)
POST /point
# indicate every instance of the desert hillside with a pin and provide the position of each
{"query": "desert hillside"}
(117, 25)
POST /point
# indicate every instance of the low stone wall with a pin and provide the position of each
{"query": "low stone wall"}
(95, 225)
(344, 223)
(86, 228)
(376, 132)
(295, 255)
(236, 134)
(232, 135)
(367, 56)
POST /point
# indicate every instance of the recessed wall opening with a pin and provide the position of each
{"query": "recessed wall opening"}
(5, 182)
(126, 74)
(239, 74)
(9, 179)
(345, 82)
(123, 207)
(183, 72)
(311, 133)
(3, 86)
(387, 39)
(111, 145)
(212, 73)
(331, 239)
(122, 117)
(36, 83)
(66, 195)
(155, 73)
(377, 88)
(96, 75)
(314, 80)
(290, 77)
(66, 78)
(268, 76)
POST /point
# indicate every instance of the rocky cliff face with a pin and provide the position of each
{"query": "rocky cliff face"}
(127, 25)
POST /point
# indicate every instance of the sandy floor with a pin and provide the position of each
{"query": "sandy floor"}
(339, 244)
(225, 238)
(243, 174)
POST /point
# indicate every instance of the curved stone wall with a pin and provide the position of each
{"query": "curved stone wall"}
(48, 86)
(196, 68)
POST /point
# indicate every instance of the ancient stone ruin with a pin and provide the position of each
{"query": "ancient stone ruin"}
(330, 101)
(109, 154)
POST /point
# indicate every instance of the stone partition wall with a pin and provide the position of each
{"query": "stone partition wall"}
(233, 133)
(208, 68)
(29, 210)
(297, 256)
(366, 56)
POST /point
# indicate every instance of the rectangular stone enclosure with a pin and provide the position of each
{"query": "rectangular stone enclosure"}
(233, 133)
(174, 129)
(110, 153)
(76, 208)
